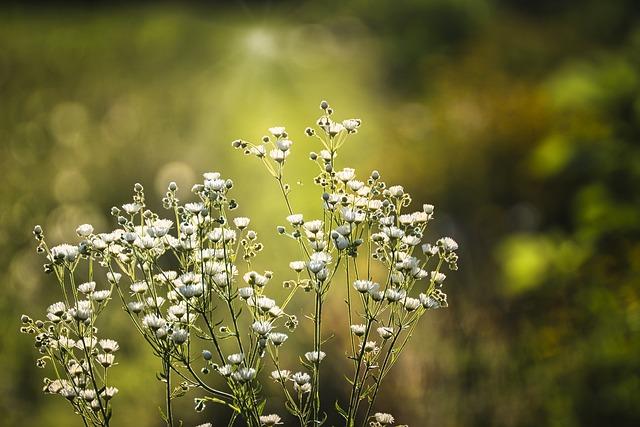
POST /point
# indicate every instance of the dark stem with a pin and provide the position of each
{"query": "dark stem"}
(167, 373)
(93, 381)
(317, 337)
(379, 381)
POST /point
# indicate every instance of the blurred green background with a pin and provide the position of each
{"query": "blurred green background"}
(519, 120)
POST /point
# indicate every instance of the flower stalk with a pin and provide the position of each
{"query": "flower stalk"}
(211, 319)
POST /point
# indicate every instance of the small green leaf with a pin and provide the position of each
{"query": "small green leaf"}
(341, 411)
(261, 406)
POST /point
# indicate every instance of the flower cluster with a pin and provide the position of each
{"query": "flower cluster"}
(363, 231)
(67, 337)
(187, 282)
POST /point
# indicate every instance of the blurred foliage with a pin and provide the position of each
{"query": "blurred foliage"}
(519, 120)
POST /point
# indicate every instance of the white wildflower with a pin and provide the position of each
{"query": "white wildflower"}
(270, 420)
(88, 394)
(241, 222)
(261, 327)
(411, 240)
(315, 266)
(358, 186)
(429, 250)
(215, 184)
(225, 370)
(259, 151)
(448, 244)
(411, 304)
(84, 230)
(82, 311)
(295, 219)
(245, 293)
(278, 155)
(265, 304)
(376, 294)
(396, 191)
(394, 294)
(358, 330)
(66, 342)
(384, 418)
(370, 346)
(304, 388)
(194, 207)
(109, 392)
(109, 346)
(297, 266)
(236, 358)
(346, 174)
(105, 359)
(114, 277)
(315, 356)
(277, 338)
(284, 144)
(364, 286)
(275, 311)
(300, 378)
(153, 321)
(211, 175)
(438, 277)
(189, 291)
(160, 228)
(374, 205)
(139, 287)
(405, 219)
(428, 302)
(222, 234)
(179, 336)
(64, 252)
(334, 128)
(281, 375)
(313, 226)
(244, 375)
(57, 308)
(131, 208)
(393, 232)
(86, 342)
(351, 125)
(385, 332)
(100, 296)
(178, 310)
(257, 279)
(277, 131)
(419, 217)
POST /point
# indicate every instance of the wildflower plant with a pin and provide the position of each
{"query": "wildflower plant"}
(67, 337)
(189, 287)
